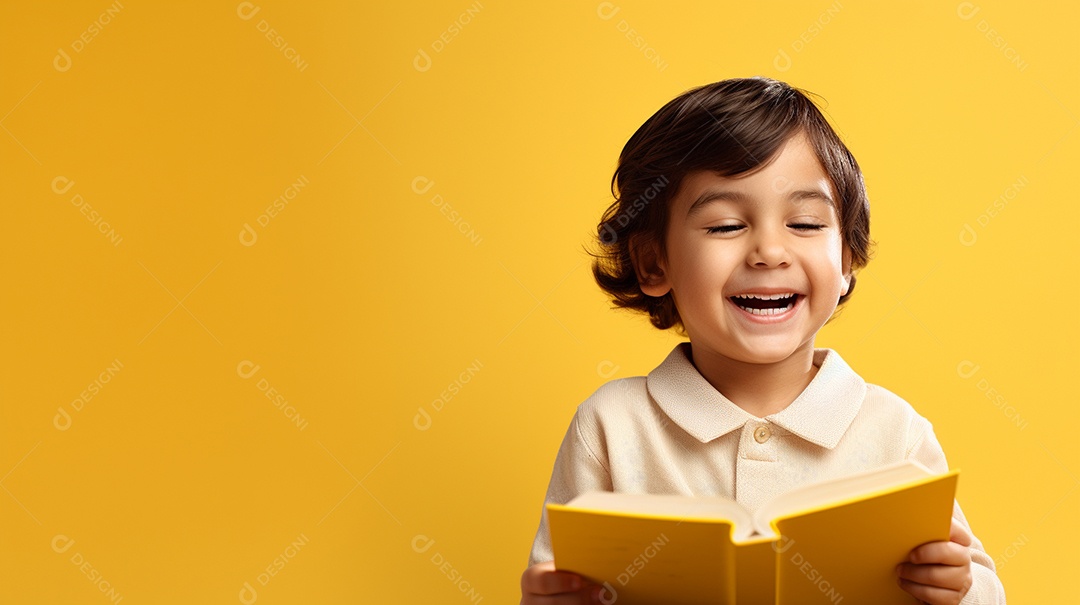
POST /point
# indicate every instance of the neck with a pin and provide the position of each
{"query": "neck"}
(760, 389)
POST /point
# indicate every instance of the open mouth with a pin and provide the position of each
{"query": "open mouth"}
(765, 304)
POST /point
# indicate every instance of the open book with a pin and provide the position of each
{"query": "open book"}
(833, 542)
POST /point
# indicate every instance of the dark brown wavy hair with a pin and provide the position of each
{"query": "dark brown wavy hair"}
(731, 127)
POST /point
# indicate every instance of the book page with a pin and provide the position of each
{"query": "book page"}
(848, 552)
(671, 506)
(646, 559)
(834, 491)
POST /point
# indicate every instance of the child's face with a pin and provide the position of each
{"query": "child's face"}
(772, 232)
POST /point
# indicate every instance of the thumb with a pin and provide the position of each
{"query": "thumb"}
(544, 579)
(959, 534)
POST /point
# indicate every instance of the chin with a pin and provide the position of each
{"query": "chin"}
(767, 355)
(766, 359)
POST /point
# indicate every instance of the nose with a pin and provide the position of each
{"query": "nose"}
(768, 248)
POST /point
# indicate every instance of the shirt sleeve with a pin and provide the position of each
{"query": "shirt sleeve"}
(580, 466)
(986, 587)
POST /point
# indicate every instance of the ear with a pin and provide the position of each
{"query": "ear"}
(845, 267)
(650, 267)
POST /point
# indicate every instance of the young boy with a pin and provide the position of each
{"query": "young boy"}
(740, 219)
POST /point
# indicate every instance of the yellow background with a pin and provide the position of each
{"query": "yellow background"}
(363, 301)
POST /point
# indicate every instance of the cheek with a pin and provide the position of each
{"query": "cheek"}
(683, 260)
(825, 263)
(834, 252)
(707, 265)
(696, 273)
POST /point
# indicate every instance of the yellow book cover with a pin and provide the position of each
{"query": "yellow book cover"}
(832, 542)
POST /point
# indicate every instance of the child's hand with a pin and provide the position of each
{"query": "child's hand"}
(542, 585)
(939, 572)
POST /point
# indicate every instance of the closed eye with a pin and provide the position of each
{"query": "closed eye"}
(724, 229)
(806, 227)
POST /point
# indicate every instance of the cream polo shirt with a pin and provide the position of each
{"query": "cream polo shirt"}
(672, 432)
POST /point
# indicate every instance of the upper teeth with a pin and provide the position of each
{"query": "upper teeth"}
(766, 296)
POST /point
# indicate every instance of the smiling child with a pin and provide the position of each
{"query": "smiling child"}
(740, 220)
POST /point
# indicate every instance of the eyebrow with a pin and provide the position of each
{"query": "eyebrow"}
(714, 195)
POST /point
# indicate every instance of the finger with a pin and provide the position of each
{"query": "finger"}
(544, 579)
(943, 576)
(940, 553)
(585, 596)
(929, 594)
(959, 534)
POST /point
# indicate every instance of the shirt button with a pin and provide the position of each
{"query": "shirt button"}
(762, 434)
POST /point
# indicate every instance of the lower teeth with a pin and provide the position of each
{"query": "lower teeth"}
(766, 311)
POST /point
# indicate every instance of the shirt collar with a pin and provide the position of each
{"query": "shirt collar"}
(820, 414)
